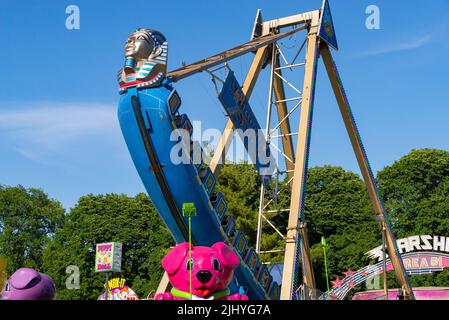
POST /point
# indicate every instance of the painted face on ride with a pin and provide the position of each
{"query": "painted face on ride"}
(139, 45)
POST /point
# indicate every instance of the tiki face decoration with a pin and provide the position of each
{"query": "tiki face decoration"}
(145, 60)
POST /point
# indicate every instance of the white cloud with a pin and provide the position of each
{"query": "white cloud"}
(38, 130)
(401, 46)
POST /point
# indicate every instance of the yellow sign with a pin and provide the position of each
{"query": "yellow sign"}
(116, 283)
(117, 290)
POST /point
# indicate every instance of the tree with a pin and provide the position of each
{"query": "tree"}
(415, 190)
(34, 231)
(416, 193)
(240, 185)
(337, 207)
(28, 221)
(107, 218)
(336, 203)
(345, 251)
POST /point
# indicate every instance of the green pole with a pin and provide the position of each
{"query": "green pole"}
(324, 244)
(190, 254)
(189, 210)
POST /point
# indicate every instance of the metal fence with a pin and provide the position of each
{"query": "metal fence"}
(304, 292)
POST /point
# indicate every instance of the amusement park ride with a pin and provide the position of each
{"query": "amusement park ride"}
(149, 113)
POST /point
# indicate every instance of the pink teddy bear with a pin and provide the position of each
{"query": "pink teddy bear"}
(212, 270)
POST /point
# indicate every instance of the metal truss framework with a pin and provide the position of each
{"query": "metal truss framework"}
(267, 52)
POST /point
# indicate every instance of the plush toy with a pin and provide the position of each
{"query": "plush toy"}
(28, 284)
(212, 270)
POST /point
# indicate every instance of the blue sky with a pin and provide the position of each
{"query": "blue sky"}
(58, 95)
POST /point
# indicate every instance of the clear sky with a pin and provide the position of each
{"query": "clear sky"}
(58, 90)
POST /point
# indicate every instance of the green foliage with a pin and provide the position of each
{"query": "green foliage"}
(415, 191)
(336, 201)
(240, 186)
(345, 251)
(98, 219)
(337, 207)
(35, 232)
(28, 222)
